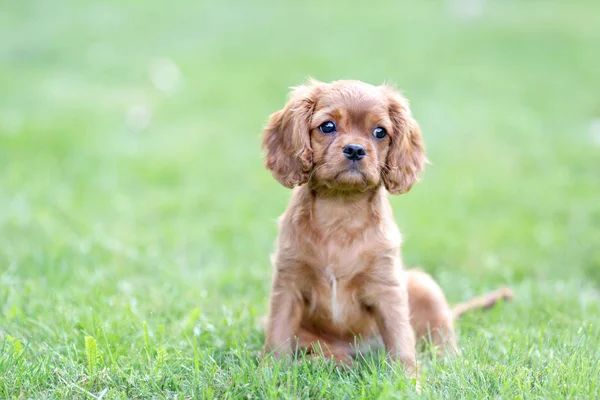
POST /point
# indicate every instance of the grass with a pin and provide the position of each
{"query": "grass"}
(136, 219)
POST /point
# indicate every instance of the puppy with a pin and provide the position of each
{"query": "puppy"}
(338, 280)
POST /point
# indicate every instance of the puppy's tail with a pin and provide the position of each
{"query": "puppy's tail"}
(486, 301)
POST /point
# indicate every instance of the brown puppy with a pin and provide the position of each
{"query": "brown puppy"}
(338, 278)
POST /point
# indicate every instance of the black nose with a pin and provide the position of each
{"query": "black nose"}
(354, 152)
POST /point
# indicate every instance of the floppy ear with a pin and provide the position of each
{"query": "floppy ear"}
(406, 157)
(286, 138)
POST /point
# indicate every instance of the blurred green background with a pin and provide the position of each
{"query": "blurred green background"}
(135, 210)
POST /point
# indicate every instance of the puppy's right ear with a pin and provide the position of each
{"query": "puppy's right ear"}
(286, 138)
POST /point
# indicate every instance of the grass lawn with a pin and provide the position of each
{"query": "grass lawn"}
(136, 218)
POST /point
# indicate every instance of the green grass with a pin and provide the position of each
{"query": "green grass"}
(134, 262)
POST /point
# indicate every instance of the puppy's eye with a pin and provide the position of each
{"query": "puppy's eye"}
(327, 127)
(379, 133)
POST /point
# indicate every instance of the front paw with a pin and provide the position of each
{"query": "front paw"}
(340, 360)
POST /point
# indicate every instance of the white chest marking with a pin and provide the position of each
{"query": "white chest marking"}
(336, 311)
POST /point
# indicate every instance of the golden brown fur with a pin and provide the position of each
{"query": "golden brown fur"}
(338, 278)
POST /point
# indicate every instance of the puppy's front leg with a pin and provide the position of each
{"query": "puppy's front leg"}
(284, 318)
(392, 316)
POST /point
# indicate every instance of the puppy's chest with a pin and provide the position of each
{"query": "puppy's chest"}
(333, 297)
(337, 278)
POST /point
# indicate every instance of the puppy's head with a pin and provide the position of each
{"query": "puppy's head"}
(345, 135)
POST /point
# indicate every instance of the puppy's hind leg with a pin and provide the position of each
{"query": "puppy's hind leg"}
(430, 315)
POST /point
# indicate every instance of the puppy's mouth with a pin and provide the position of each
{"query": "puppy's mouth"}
(353, 175)
(346, 176)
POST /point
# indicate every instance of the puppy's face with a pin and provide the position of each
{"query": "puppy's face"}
(347, 136)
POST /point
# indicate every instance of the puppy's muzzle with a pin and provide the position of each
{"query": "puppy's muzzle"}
(354, 152)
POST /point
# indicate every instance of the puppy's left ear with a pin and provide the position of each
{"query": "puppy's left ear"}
(406, 157)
